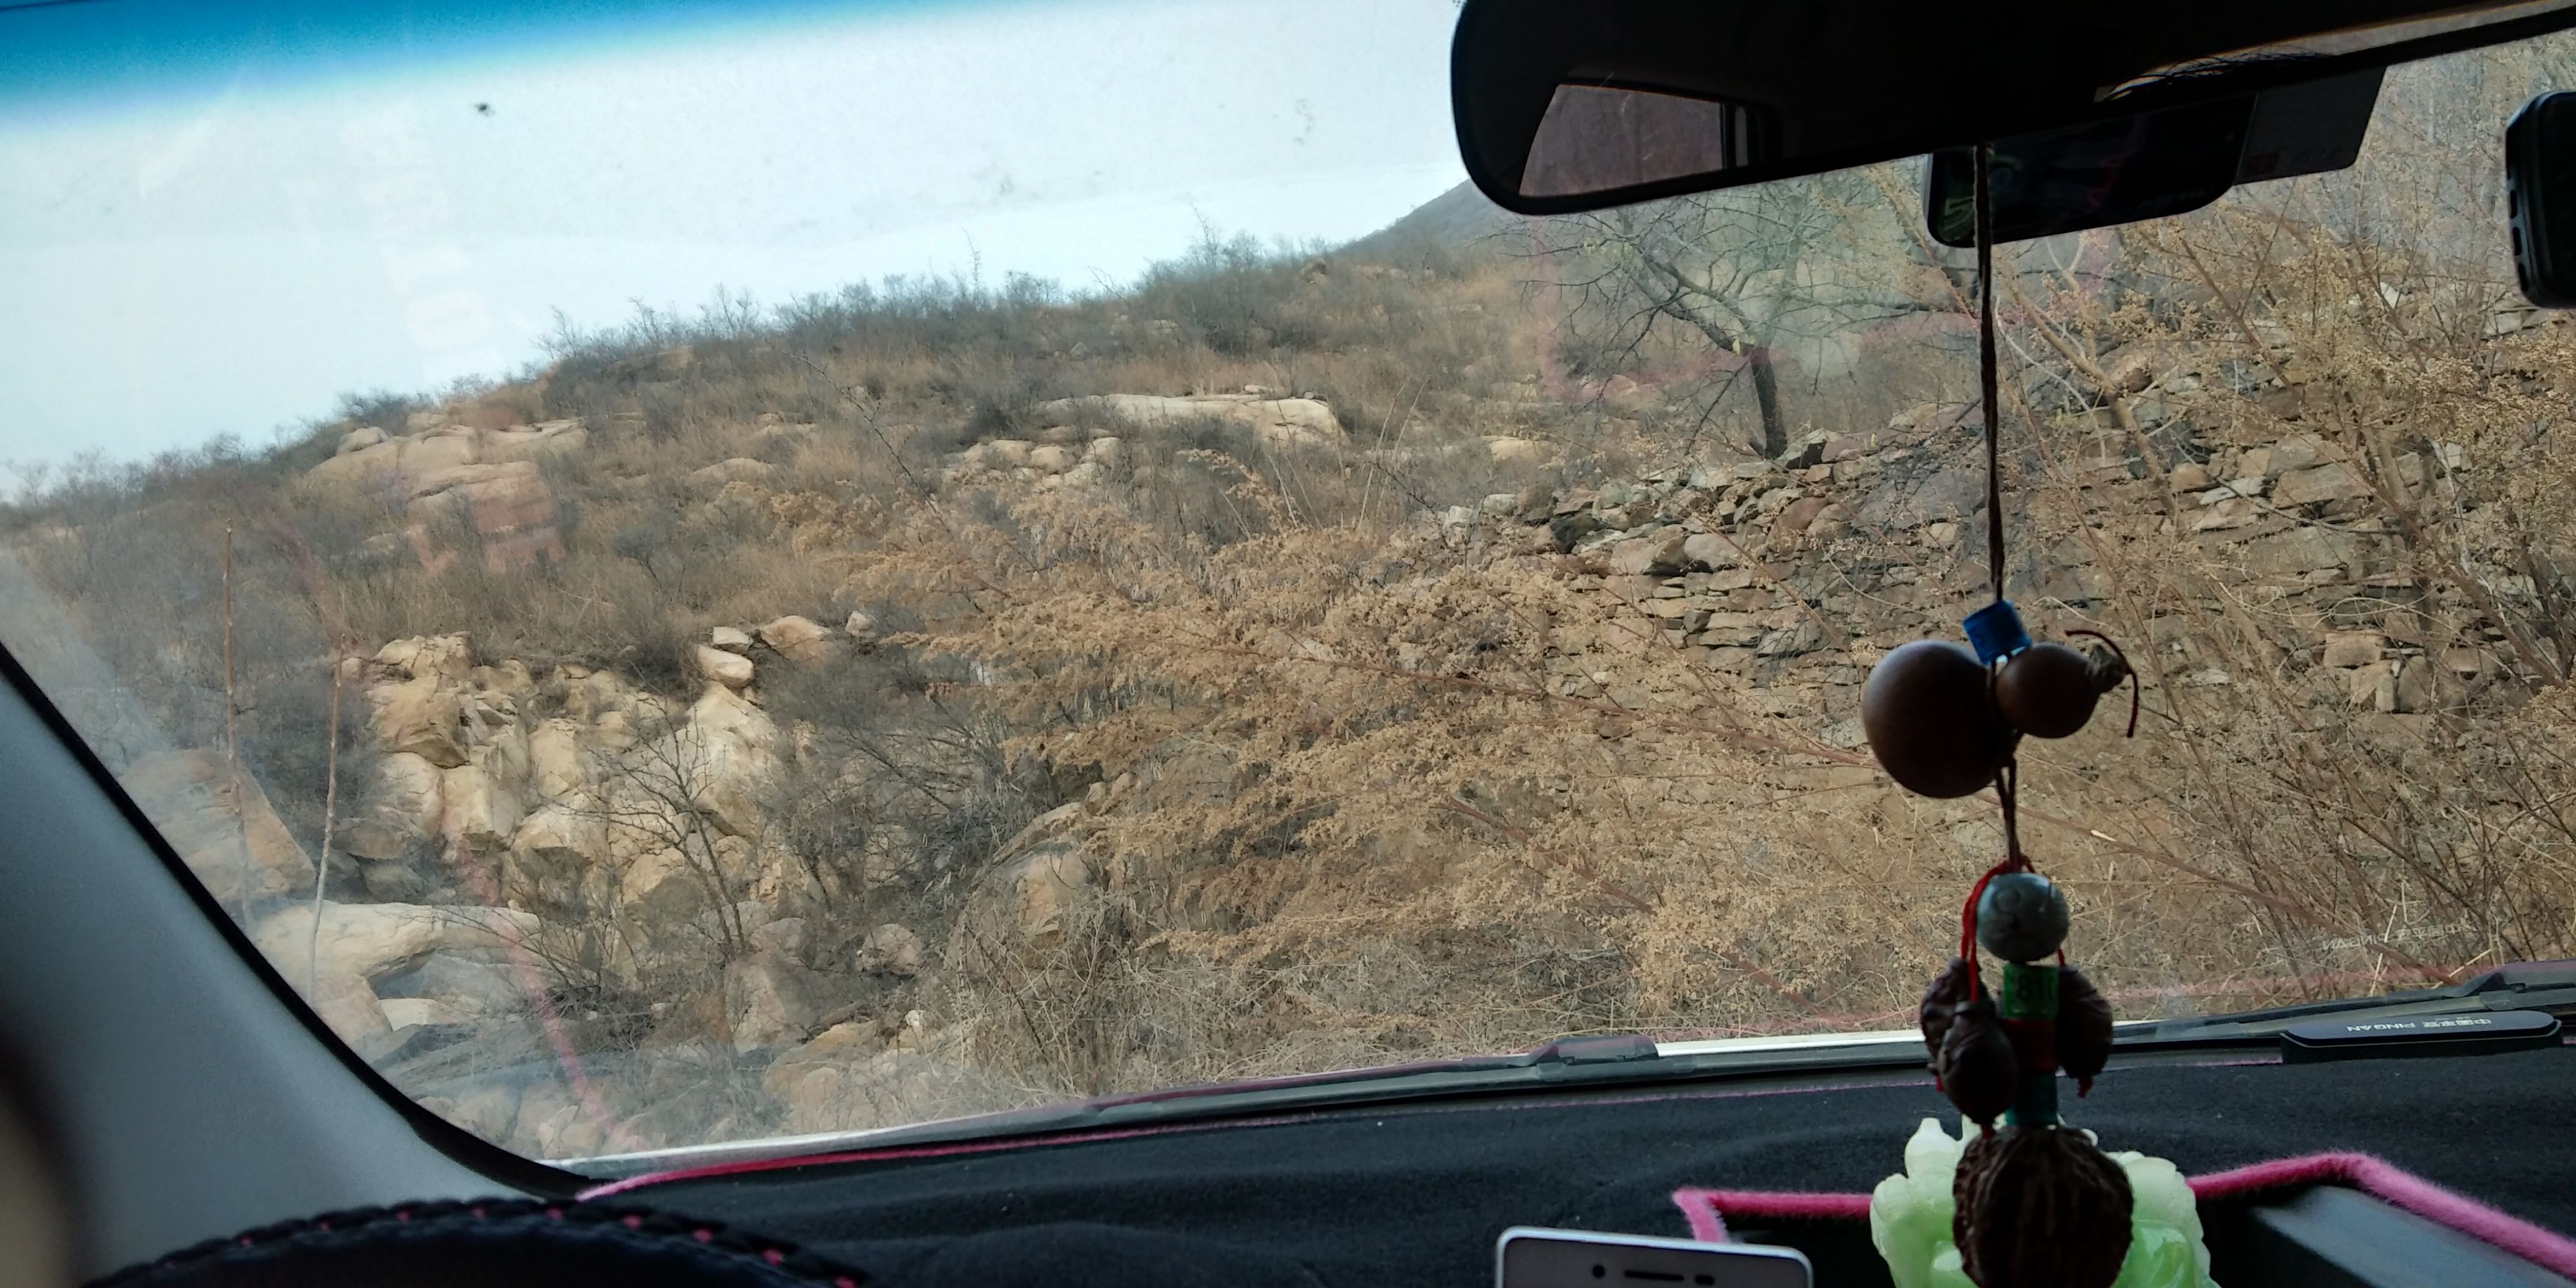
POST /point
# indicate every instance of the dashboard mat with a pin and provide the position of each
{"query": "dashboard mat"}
(1417, 1193)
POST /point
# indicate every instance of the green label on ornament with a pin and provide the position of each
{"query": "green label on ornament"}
(2030, 992)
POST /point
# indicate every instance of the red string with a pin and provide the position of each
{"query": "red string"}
(1968, 916)
(2016, 861)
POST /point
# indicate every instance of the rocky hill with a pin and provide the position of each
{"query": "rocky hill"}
(930, 704)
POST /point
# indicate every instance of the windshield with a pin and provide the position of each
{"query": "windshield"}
(694, 574)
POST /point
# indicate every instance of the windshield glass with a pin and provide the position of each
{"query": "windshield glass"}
(703, 573)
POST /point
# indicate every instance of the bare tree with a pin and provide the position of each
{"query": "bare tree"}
(659, 794)
(1731, 282)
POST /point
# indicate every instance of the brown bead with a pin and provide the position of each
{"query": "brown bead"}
(2047, 690)
(1977, 1067)
(2040, 1207)
(1948, 990)
(2083, 1025)
(1932, 721)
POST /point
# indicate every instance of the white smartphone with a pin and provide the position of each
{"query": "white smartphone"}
(1526, 1257)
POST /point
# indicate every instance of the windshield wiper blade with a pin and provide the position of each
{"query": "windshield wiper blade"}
(1568, 1064)
(2521, 986)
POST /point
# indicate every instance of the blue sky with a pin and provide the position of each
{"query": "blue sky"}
(216, 218)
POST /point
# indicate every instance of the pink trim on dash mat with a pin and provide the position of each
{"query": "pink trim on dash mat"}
(1707, 1210)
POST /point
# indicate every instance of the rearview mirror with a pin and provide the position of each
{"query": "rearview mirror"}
(2152, 164)
(1563, 107)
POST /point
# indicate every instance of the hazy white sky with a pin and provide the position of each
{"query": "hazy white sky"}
(232, 260)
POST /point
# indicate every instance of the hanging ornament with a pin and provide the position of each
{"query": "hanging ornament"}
(2037, 1204)
(2048, 690)
(1931, 719)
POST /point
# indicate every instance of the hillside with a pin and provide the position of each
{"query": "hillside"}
(930, 699)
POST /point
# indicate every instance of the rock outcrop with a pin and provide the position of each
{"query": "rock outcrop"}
(340, 954)
(221, 824)
(1279, 422)
(485, 479)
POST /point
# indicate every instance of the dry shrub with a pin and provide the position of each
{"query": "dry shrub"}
(1359, 784)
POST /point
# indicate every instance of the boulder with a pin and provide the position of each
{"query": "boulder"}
(1000, 453)
(861, 628)
(399, 811)
(732, 670)
(546, 437)
(482, 809)
(1949, 495)
(2417, 691)
(811, 1080)
(372, 941)
(731, 639)
(407, 1012)
(1657, 554)
(892, 950)
(1024, 904)
(562, 835)
(1731, 630)
(2228, 512)
(2292, 453)
(1838, 448)
(447, 658)
(422, 717)
(1520, 452)
(798, 639)
(2323, 483)
(736, 759)
(558, 765)
(854, 1080)
(784, 937)
(2291, 553)
(221, 824)
(348, 1006)
(435, 452)
(2374, 687)
(738, 469)
(1708, 550)
(2345, 649)
(1052, 459)
(657, 884)
(766, 1003)
(420, 461)
(1795, 518)
(495, 492)
(1278, 422)
(463, 984)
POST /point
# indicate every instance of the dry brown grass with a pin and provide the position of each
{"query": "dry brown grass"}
(1364, 786)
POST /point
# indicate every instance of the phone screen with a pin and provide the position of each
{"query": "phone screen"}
(1532, 1258)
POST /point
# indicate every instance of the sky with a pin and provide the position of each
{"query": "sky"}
(217, 217)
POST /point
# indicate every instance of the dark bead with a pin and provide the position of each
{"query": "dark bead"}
(1931, 720)
(1977, 1068)
(2040, 1207)
(2021, 917)
(2047, 690)
(1948, 990)
(2083, 1026)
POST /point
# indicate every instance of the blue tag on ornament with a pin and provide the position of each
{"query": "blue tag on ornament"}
(1996, 632)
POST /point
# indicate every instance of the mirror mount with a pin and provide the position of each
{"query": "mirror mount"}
(1801, 88)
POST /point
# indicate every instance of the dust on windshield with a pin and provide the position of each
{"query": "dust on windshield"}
(940, 695)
